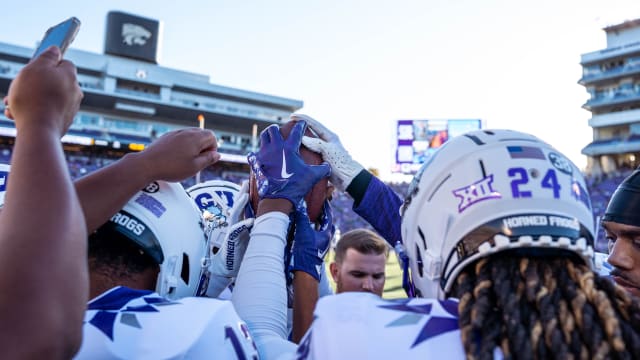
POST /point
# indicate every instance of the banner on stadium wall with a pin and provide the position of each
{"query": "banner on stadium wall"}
(416, 140)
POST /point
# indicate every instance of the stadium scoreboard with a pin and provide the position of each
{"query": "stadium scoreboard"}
(417, 140)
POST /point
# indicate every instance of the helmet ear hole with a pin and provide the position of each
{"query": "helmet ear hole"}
(419, 262)
(184, 274)
(424, 242)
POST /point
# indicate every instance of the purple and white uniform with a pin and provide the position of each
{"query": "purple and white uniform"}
(124, 323)
(363, 326)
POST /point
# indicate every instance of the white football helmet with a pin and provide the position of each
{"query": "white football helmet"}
(489, 191)
(166, 224)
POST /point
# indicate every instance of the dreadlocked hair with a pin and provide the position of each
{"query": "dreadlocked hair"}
(544, 307)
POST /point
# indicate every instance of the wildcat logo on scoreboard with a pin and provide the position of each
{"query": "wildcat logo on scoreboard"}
(132, 36)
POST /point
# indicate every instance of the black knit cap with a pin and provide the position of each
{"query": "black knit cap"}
(624, 206)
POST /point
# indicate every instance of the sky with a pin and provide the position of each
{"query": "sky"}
(359, 66)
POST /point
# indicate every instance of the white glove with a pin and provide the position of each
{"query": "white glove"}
(343, 167)
(229, 244)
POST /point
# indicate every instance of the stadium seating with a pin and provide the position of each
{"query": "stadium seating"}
(82, 163)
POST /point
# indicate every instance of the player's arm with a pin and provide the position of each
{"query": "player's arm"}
(260, 294)
(377, 204)
(373, 200)
(310, 246)
(43, 261)
(173, 157)
(305, 297)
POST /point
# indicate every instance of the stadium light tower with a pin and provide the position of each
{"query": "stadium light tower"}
(254, 137)
(201, 120)
(201, 123)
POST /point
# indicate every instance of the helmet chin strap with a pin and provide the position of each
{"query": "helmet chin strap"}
(205, 262)
(205, 275)
(407, 279)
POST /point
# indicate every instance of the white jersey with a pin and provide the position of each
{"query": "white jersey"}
(123, 323)
(346, 326)
(363, 326)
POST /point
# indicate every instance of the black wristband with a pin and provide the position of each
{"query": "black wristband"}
(358, 186)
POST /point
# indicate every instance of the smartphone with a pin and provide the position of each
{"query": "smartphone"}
(60, 35)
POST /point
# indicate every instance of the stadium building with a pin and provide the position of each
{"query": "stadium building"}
(611, 76)
(129, 100)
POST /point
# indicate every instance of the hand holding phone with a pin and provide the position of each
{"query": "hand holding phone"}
(55, 88)
(60, 35)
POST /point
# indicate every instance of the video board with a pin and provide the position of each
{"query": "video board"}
(418, 139)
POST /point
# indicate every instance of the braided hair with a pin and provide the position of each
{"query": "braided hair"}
(544, 307)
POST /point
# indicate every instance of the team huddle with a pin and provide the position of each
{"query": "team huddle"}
(495, 238)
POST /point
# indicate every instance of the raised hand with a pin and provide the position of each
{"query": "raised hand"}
(45, 94)
(178, 154)
(172, 157)
(343, 167)
(279, 170)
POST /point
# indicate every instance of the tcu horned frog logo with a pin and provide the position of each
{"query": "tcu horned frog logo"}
(133, 34)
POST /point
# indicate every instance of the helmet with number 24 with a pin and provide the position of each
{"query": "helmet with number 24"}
(490, 191)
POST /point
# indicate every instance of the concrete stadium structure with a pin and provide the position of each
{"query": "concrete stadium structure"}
(611, 76)
(129, 99)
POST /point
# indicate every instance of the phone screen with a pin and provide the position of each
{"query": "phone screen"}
(60, 35)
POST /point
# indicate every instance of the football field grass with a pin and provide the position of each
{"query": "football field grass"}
(393, 284)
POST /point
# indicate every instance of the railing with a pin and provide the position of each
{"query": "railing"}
(147, 95)
(611, 73)
(618, 97)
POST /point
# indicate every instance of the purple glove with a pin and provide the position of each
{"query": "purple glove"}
(280, 171)
(310, 246)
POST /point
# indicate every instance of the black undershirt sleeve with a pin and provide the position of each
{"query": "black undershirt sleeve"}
(358, 186)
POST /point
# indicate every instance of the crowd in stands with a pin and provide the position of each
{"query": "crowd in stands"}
(344, 217)
(81, 163)
(84, 162)
(600, 188)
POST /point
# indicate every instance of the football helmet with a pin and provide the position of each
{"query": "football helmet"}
(489, 191)
(164, 221)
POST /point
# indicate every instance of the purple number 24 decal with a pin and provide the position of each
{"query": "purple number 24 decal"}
(520, 180)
